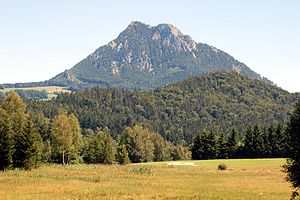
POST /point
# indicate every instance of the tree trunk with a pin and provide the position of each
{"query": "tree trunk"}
(63, 157)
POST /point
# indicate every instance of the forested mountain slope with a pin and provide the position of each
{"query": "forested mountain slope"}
(216, 102)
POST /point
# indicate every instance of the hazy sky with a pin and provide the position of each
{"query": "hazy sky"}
(39, 39)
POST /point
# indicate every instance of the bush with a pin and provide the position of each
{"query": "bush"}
(222, 167)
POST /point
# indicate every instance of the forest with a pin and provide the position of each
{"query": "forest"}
(109, 125)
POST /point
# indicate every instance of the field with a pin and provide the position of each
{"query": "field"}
(49, 89)
(244, 179)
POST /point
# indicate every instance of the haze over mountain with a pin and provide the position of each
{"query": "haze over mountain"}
(146, 57)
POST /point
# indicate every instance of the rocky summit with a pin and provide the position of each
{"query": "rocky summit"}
(147, 57)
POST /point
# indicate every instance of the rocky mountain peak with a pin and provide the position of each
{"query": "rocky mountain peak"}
(145, 56)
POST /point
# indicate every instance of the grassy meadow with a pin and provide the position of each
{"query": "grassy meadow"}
(244, 179)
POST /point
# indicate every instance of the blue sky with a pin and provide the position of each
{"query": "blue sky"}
(40, 38)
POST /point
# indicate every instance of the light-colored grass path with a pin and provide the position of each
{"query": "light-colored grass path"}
(245, 179)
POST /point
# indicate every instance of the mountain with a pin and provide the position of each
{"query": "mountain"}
(216, 101)
(147, 57)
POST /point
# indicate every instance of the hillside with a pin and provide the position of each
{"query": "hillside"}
(146, 57)
(217, 101)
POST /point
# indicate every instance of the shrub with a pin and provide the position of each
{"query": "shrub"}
(222, 167)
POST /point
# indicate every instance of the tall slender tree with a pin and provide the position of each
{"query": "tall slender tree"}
(122, 155)
(293, 163)
(32, 146)
(15, 107)
(66, 137)
(231, 144)
(258, 143)
(248, 149)
(138, 141)
(6, 142)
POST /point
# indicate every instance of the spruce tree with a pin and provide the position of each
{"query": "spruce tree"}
(221, 147)
(248, 149)
(15, 107)
(258, 143)
(197, 148)
(204, 146)
(32, 145)
(231, 144)
(6, 142)
(272, 141)
(293, 163)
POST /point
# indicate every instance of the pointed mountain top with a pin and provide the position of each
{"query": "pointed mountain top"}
(146, 57)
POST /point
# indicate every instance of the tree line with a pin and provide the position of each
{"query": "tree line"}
(28, 139)
(215, 102)
(257, 142)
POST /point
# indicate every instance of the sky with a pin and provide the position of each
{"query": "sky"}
(39, 38)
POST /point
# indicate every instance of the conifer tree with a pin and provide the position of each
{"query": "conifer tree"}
(293, 163)
(221, 147)
(258, 143)
(32, 145)
(204, 146)
(6, 143)
(272, 144)
(248, 150)
(231, 144)
(15, 107)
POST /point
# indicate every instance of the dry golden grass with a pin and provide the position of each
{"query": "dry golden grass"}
(245, 179)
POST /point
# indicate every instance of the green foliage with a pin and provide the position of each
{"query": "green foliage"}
(66, 137)
(255, 144)
(6, 142)
(32, 145)
(162, 149)
(122, 155)
(231, 144)
(179, 111)
(20, 143)
(138, 144)
(32, 94)
(179, 152)
(15, 107)
(204, 146)
(100, 148)
(293, 163)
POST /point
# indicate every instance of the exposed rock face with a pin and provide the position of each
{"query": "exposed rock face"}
(146, 57)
